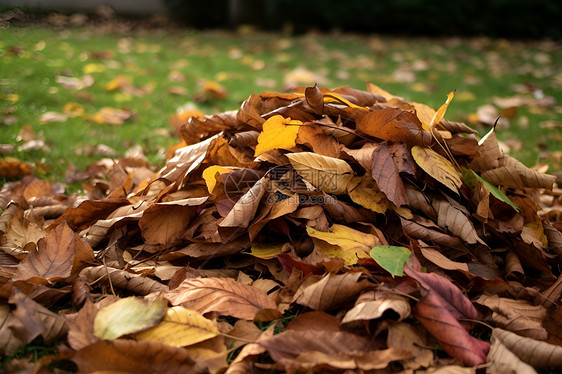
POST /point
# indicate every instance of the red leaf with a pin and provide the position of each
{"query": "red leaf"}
(434, 315)
(453, 299)
(289, 263)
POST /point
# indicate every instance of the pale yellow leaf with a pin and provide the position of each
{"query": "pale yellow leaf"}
(128, 316)
(180, 327)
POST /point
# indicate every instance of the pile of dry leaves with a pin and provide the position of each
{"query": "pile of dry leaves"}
(321, 231)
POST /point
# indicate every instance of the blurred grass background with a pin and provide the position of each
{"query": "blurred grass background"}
(152, 73)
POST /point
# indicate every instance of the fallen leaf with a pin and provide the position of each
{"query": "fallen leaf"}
(277, 132)
(438, 167)
(222, 295)
(180, 327)
(328, 174)
(391, 258)
(533, 352)
(130, 356)
(386, 174)
(128, 316)
(331, 291)
(59, 255)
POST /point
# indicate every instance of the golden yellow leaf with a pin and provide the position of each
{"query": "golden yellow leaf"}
(117, 82)
(334, 251)
(349, 240)
(210, 173)
(368, 195)
(328, 174)
(332, 97)
(73, 109)
(437, 166)
(93, 68)
(180, 327)
(438, 116)
(278, 132)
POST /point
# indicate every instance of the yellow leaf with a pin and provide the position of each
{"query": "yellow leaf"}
(352, 242)
(10, 97)
(437, 166)
(128, 316)
(180, 327)
(266, 251)
(93, 68)
(73, 109)
(438, 116)
(333, 251)
(328, 174)
(368, 195)
(332, 97)
(278, 132)
(425, 114)
(210, 175)
(117, 82)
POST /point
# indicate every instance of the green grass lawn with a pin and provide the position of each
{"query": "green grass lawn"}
(166, 68)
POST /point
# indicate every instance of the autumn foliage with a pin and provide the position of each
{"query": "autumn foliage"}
(319, 231)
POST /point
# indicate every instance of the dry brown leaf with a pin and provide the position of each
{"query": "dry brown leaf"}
(533, 352)
(455, 221)
(121, 279)
(502, 360)
(512, 173)
(373, 304)
(331, 291)
(32, 319)
(58, 256)
(222, 295)
(518, 316)
(246, 207)
(385, 173)
(411, 339)
(394, 124)
(130, 356)
(312, 136)
(9, 342)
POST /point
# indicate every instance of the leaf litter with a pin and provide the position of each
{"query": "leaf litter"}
(319, 231)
